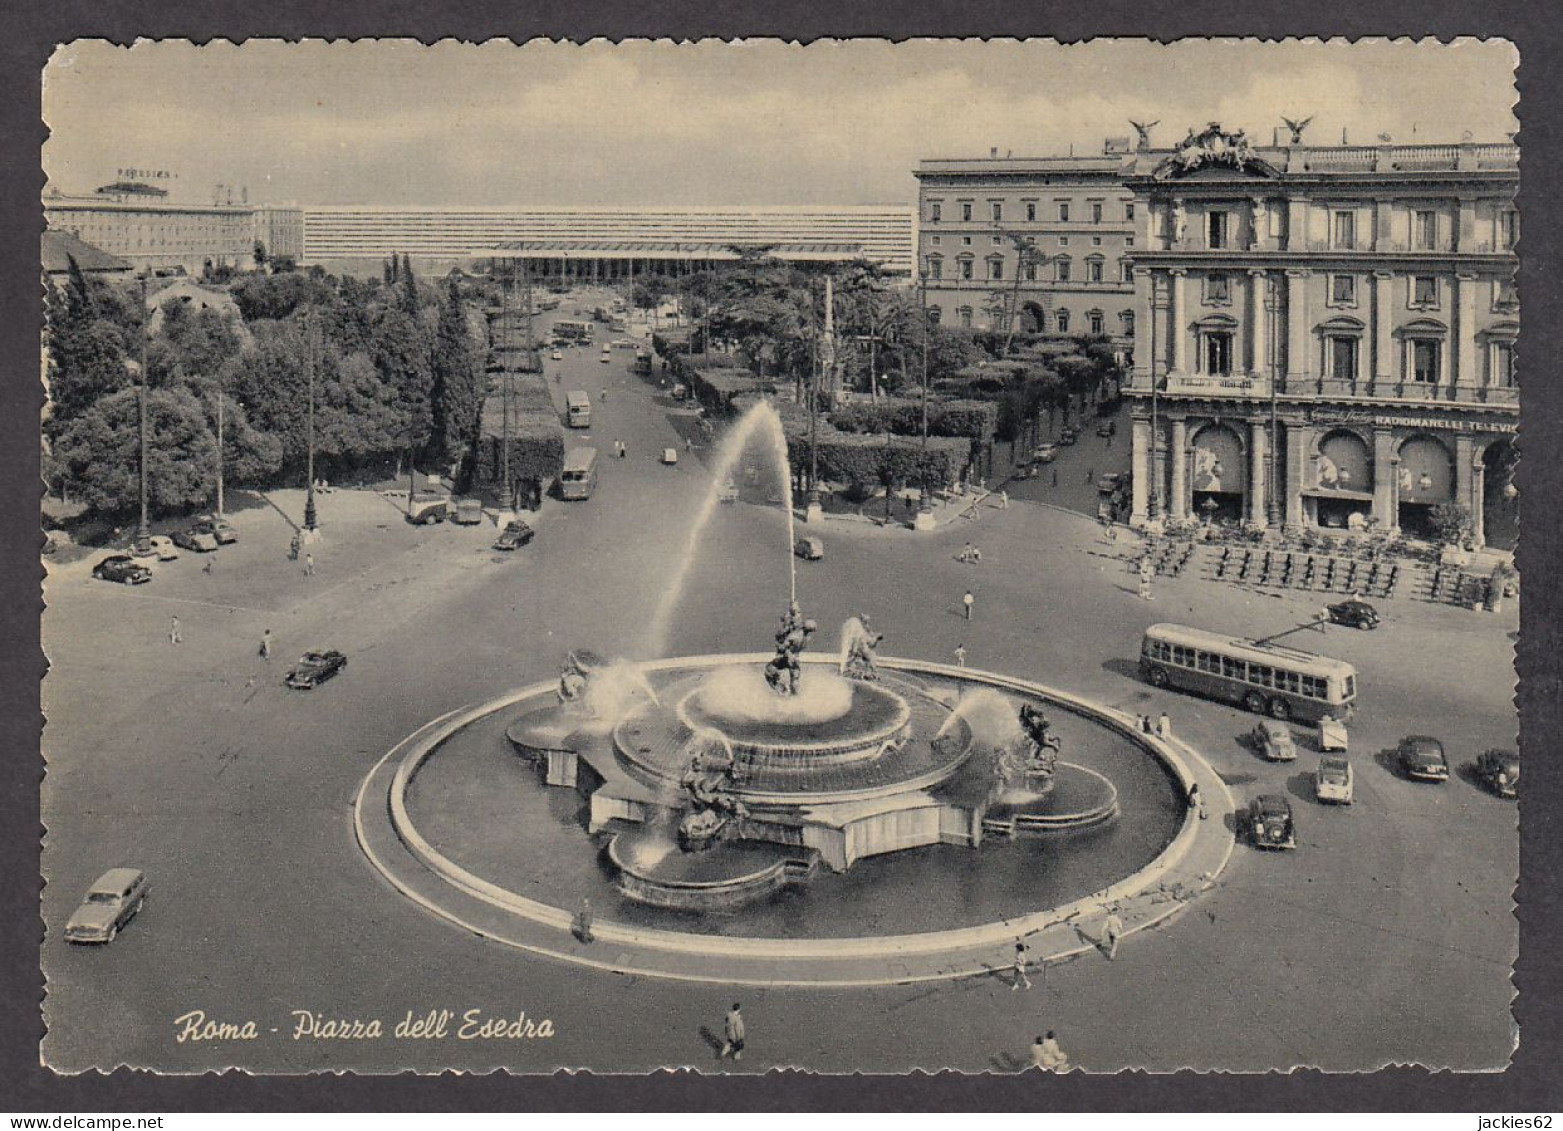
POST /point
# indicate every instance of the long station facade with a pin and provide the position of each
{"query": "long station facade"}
(1327, 335)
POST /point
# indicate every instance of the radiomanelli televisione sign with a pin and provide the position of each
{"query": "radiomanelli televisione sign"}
(132, 173)
(1383, 420)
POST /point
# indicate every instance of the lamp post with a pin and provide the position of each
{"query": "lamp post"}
(219, 451)
(143, 526)
(310, 517)
(1394, 478)
(924, 519)
(815, 511)
(1273, 512)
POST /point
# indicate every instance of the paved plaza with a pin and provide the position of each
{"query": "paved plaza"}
(1387, 937)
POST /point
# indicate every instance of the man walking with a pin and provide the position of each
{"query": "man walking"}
(265, 645)
(1112, 930)
(1164, 726)
(1145, 578)
(174, 636)
(1055, 477)
(1197, 800)
(1090, 476)
(733, 1034)
(968, 601)
(960, 655)
(1003, 499)
(1022, 963)
(583, 923)
(309, 564)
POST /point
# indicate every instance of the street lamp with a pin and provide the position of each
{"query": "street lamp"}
(310, 517)
(143, 526)
(1394, 477)
(924, 519)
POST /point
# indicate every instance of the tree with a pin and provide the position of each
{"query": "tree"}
(1452, 524)
(401, 355)
(457, 393)
(409, 286)
(86, 351)
(100, 452)
(260, 254)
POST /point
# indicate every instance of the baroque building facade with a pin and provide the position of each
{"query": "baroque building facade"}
(1325, 335)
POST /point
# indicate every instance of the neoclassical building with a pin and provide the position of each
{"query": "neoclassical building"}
(1325, 334)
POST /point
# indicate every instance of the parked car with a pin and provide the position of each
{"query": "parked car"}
(1069, 435)
(426, 510)
(1107, 428)
(163, 548)
(1333, 781)
(1110, 482)
(198, 539)
(515, 535)
(110, 903)
(219, 528)
(728, 493)
(1422, 758)
(314, 668)
(123, 569)
(468, 512)
(1045, 453)
(670, 456)
(557, 355)
(809, 549)
(1273, 741)
(1354, 613)
(1270, 822)
(1499, 771)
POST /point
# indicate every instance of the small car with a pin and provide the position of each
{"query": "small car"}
(605, 358)
(123, 569)
(1354, 613)
(110, 903)
(1107, 428)
(1333, 781)
(426, 510)
(162, 548)
(1422, 758)
(670, 456)
(515, 535)
(727, 493)
(1270, 822)
(197, 538)
(468, 512)
(1499, 771)
(1110, 482)
(1069, 435)
(1273, 741)
(809, 549)
(219, 528)
(314, 668)
(557, 355)
(1045, 453)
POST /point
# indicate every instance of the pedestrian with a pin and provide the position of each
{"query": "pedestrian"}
(733, 1034)
(174, 636)
(265, 645)
(582, 928)
(1112, 931)
(605, 394)
(968, 601)
(1022, 961)
(1046, 1055)
(1055, 477)
(207, 568)
(1164, 726)
(960, 655)
(1145, 724)
(1090, 476)
(1003, 500)
(309, 564)
(1197, 800)
(293, 549)
(965, 554)
(689, 443)
(1324, 617)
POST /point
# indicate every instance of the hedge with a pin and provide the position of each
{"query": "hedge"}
(973, 420)
(868, 458)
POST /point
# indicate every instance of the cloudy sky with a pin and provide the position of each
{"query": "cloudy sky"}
(759, 122)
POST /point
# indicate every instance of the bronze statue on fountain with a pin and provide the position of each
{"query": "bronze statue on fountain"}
(861, 661)
(1026, 765)
(792, 637)
(575, 677)
(709, 780)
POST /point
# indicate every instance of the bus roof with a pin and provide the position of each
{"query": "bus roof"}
(578, 396)
(579, 459)
(1246, 649)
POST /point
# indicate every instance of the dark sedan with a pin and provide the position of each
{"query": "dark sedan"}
(1422, 758)
(219, 528)
(314, 668)
(514, 536)
(1270, 822)
(1499, 771)
(1354, 613)
(123, 569)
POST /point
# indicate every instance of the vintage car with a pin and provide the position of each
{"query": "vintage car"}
(670, 456)
(426, 510)
(314, 668)
(1333, 781)
(197, 538)
(123, 569)
(1354, 613)
(468, 512)
(727, 493)
(1111, 482)
(1272, 740)
(1069, 436)
(162, 548)
(809, 549)
(515, 535)
(110, 903)
(1107, 428)
(1044, 453)
(557, 355)
(1270, 822)
(1421, 758)
(1499, 771)
(219, 528)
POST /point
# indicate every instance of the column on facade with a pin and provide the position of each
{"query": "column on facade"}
(1180, 485)
(1299, 439)
(1258, 467)
(1297, 327)
(1259, 336)
(1464, 473)
(1465, 237)
(1465, 375)
(1140, 474)
(1385, 495)
(1160, 324)
(1177, 316)
(1297, 223)
(1143, 362)
(1383, 331)
(1479, 503)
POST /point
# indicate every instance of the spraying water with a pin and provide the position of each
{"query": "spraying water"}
(993, 718)
(761, 422)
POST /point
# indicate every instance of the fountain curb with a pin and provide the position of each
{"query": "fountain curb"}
(958, 944)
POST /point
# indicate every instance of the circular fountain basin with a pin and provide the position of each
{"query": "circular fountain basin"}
(655, 871)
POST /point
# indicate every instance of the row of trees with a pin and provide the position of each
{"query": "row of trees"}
(397, 376)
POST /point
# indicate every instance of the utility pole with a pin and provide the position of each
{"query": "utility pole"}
(310, 349)
(143, 527)
(924, 519)
(816, 510)
(507, 292)
(219, 451)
